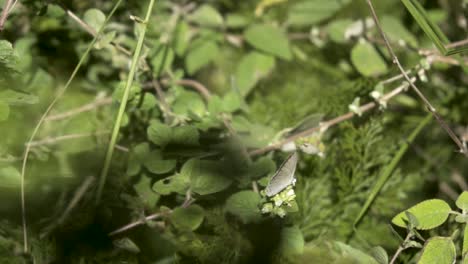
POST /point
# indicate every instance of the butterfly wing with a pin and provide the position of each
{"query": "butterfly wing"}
(283, 177)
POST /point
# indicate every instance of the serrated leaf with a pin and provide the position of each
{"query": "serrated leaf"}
(367, 60)
(189, 102)
(155, 164)
(94, 18)
(309, 12)
(8, 58)
(292, 241)
(206, 177)
(269, 39)
(136, 158)
(4, 111)
(200, 56)
(253, 67)
(189, 218)
(162, 59)
(440, 250)
(159, 134)
(245, 205)
(126, 244)
(206, 15)
(462, 201)
(430, 214)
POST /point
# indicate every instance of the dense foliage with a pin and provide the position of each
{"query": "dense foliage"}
(153, 134)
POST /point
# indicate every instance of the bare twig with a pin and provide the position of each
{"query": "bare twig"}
(197, 86)
(85, 108)
(56, 140)
(429, 106)
(5, 12)
(76, 198)
(137, 223)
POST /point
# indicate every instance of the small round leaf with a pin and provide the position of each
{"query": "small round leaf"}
(430, 214)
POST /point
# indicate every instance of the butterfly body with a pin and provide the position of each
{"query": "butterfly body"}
(283, 177)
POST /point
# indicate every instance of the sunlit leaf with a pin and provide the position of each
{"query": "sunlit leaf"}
(269, 39)
(430, 214)
(440, 250)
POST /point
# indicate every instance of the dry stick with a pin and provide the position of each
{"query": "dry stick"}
(85, 108)
(330, 123)
(431, 109)
(162, 98)
(55, 140)
(76, 198)
(5, 12)
(137, 223)
(91, 30)
(197, 86)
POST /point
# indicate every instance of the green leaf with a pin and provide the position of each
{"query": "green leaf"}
(189, 102)
(206, 177)
(126, 244)
(178, 183)
(261, 167)
(162, 59)
(181, 38)
(236, 21)
(10, 177)
(430, 214)
(245, 205)
(367, 60)
(309, 12)
(144, 191)
(136, 157)
(336, 30)
(94, 18)
(16, 98)
(253, 67)
(395, 30)
(185, 135)
(206, 15)
(4, 111)
(353, 254)
(440, 250)
(189, 218)
(200, 56)
(232, 102)
(269, 39)
(8, 59)
(462, 201)
(380, 255)
(155, 164)
(292, 241)
(159, 134)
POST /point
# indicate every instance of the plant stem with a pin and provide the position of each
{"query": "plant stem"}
(5, 12)
(431, 108)
(44, 116)
(400, 248)
(85, 108)
(123, 103)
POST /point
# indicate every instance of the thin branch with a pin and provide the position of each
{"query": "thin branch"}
(401, 248)
(5, 12)
(137, 223)
(197, 86)
(329, 123)
(431, 108)
(80, 192)
(85, 108)
(56, 140)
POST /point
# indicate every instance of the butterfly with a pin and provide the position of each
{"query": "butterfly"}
(283, 177)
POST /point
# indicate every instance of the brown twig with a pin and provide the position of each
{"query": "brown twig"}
(5, 12)
(137, 223)
(429, 106)
(55, 140)
(85, 108)
(197, 86)
(76, 198)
